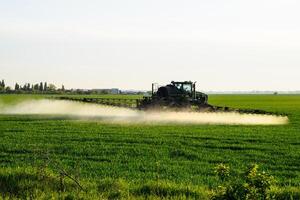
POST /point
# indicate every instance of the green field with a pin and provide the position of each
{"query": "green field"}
(136, 161)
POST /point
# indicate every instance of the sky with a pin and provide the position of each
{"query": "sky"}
(228, 45)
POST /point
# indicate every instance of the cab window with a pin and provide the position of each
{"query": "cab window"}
(178, 86)
(187, 87)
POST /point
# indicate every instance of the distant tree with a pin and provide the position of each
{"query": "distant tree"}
(25, 87)
(36, 87)
(52, 87)
(41, 86)
(63, 88)
(28, 87)
(17, 86)
(8, 89)
(45, 86)
(2, 84)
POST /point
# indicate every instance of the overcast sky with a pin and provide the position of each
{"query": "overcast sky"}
(223, 45)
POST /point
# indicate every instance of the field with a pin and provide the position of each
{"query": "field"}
(143, 160)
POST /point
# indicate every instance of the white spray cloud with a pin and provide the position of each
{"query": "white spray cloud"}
(124, 115)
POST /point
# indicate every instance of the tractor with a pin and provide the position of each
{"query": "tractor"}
(177, 95)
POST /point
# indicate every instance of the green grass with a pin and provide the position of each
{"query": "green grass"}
(151, 158)
(9, 99)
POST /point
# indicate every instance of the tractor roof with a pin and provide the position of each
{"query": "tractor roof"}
(181, 82)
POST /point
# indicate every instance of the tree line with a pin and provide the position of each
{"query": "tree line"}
(45, 88)
(42, 87)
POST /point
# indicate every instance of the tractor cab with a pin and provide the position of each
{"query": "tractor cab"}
(175, 90)
(186, 87)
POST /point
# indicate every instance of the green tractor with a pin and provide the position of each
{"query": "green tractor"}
(178, 95)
